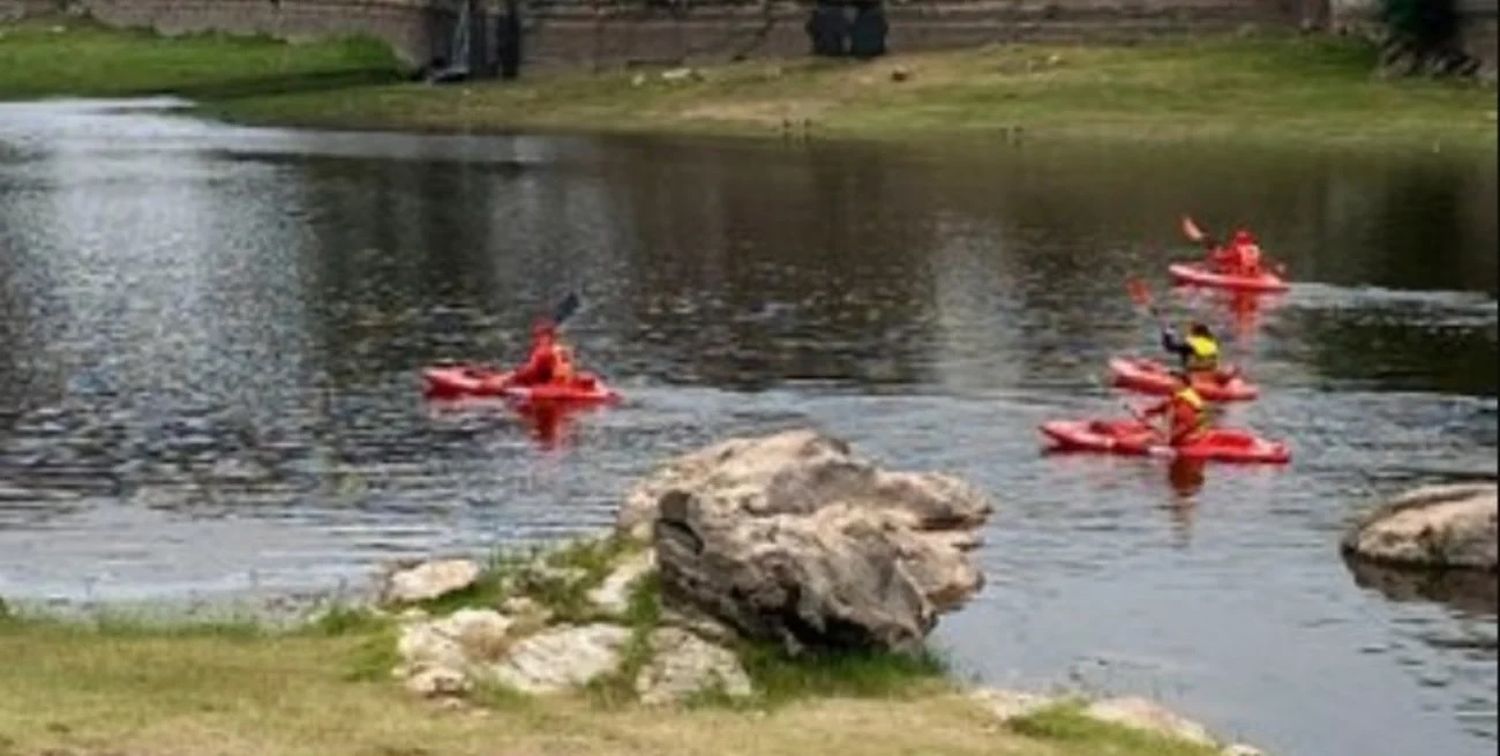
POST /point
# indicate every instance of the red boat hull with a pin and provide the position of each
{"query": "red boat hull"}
(465, 380)
(1135, 439)
(1150, 377)
(1197, 275)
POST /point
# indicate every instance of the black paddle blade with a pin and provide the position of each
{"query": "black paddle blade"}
(566, 308)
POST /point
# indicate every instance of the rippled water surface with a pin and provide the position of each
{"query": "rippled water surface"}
(210, 338)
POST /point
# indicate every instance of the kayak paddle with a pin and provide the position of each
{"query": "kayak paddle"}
(1193, 233)
(565, 308)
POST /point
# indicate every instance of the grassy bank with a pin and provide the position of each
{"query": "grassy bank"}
(124, 689)
(1273, 88)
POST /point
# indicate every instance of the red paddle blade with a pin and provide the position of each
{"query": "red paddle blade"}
(1191, 230)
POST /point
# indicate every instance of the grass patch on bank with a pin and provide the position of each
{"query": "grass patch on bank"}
(1066, 724)
(90, 691)
(780, 679)
(71, 57)
(1269, 88)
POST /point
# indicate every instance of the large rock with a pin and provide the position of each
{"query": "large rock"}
(791, 538)
(561, 659)
(683, 665)
(1436, 526)
(429, 580)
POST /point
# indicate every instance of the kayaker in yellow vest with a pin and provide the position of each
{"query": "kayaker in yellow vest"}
(1198, 352)
(1186, 415)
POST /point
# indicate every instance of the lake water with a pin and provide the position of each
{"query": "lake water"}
(210, 339)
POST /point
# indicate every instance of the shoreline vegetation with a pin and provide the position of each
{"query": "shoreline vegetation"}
(1267, 88)
(116, 684)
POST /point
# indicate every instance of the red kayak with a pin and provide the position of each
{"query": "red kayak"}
(1133, 438)
(1150, 377)
(468, 380)
(1197, 274)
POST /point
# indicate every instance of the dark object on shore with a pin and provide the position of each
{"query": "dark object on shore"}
(827, 28)
(867, 33)
(508, 40)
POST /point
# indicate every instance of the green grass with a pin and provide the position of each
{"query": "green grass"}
(1066, 723)
(78, 58)
(781, 679)
(1271, 88)
(91, 690)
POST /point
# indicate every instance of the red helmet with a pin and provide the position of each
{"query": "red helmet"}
(1243, 237)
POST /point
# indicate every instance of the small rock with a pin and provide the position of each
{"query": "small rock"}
(683, 665)
(412, 614)
(523, 606)
(1006, 705)
(677, 75)
(1141, 714)
(430, 580)
(639, 80)
(1054, 59)
(458, 641)
(1240, 749)
(438, 681)
(560, 659)
(900, 73)
(613, 595)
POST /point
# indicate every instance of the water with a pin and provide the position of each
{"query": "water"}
(211, 337)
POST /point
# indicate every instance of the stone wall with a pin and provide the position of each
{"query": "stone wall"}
(1477, 28)
(601, 33)
(1477, 33)
(11, 10)
(572, 33)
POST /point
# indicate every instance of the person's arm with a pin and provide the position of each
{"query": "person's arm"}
(1174, 343)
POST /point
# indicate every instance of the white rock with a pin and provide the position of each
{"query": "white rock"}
(438, 681)
(1240, 749)
(1141, 714)
(560, 659)
(1006, 705)
(681, 74)
(430, 580)
(683, 665)
(613, 595)
(458, 641)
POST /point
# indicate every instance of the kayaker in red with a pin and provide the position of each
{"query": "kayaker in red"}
(1186, 418)
(550, 360)
(1198, 352)
(1240, 257)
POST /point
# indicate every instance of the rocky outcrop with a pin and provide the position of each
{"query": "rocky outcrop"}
(561, 659)
(428, 580)
(792, 538)
(1434, 527)
(683, 666)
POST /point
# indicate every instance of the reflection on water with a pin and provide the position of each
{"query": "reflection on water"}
(211, 339)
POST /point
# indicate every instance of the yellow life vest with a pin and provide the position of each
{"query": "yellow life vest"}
(1205, 356)
(1192, 398)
